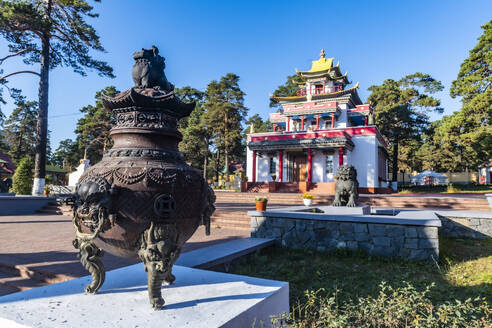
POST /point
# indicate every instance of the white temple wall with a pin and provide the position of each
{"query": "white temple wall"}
(341, 122)
(319, 166)
(249, 164)
(364, 159)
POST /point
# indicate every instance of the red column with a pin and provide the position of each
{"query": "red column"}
(340, 156)
(302, 123)
(254, 166)
(317, 121)
(288, 124)
(365, 120)
(309, 166)
(280, 165)
(274, 127)
(332, 120)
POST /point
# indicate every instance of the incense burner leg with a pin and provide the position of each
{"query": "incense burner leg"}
(90, 257)
(158, 250)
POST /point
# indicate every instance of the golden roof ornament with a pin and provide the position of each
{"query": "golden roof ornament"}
(322, 54)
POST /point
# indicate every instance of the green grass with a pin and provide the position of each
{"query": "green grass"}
(453, 188)
(463, 272)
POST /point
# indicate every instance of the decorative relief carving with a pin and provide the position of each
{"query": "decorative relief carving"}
(131, 175)
(158, 249)
(145, 119)
(145, 153)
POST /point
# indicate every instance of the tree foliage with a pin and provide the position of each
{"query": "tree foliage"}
(288, 89)
(258, 124)
(196, 134)
(224, 114)
(93, 129)
(22, 179)
(67, 154)
(50, 33)
(20, 129)
(401, 108)
(471, 127)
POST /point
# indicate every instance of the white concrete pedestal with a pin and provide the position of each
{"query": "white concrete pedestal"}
(198, 298)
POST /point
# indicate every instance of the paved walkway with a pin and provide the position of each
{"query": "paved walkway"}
(43, 244)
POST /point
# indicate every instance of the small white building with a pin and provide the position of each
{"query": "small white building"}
(324, 126)
(429, 178)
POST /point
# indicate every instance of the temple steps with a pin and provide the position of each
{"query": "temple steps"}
(231, 207)
(53, 208)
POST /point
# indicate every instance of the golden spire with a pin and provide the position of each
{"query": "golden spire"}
(322, 54)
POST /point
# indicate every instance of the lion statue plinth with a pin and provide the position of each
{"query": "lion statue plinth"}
(346, 187)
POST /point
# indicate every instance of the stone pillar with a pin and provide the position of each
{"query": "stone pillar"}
(253, 178)
(280, 165)
(332, 120)
(302, 123)
(317, 121)
(340, 156)
(309, 166)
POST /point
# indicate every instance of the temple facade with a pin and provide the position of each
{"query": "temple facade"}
(324, 126)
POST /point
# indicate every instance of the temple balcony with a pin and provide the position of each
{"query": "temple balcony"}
(319, 91)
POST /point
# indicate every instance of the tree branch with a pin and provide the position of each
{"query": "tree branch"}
(20, 52)
(19, 72)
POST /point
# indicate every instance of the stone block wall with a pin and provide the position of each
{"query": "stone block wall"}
(389, 240)
(463, 227)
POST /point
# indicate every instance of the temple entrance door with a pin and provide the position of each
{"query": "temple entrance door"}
(299, 170)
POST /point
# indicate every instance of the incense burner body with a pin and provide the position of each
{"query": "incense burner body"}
(141, 200)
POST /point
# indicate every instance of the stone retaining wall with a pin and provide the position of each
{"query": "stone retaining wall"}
(389, 240)
(465, 227)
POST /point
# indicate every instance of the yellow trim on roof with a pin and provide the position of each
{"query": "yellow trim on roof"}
(356, 86)
(322, 64)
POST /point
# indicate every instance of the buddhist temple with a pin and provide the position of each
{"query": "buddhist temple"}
(323, 126)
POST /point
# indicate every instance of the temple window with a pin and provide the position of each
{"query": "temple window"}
(319, 89)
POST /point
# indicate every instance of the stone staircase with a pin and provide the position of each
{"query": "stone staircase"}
(53, 208)
(231, 207)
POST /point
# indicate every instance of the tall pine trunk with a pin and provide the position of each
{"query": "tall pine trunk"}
(226, 148)
(42, 124)
(394, 176)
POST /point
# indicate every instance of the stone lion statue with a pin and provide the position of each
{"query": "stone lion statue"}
(148, 71)
(346, 187)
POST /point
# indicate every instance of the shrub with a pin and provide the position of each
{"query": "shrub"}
(392, 308)
(307, 196)
(22, 179)
(261, 199)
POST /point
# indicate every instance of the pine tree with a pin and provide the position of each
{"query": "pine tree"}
(67, 154)
(50, 33)
(196, 135)
(402, 108)
(22, 179)
(225, 112)
(288, 89)
(473, 123)
(93, 129)
(20, 129)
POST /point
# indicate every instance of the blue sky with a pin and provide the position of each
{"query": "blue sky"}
(263, 42)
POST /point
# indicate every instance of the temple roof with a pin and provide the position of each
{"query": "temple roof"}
(352, 91)
(323, 68)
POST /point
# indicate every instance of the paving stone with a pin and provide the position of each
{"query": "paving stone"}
(362, 236)
(429, 243)
(376, 230)
(411, 243)
(360, 227)
(427, 232)
(394, 231)
(411, 232)
(381, 241)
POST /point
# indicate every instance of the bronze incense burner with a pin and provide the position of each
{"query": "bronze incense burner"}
(141, 200)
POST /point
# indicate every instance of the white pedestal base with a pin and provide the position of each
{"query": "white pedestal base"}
(198, 298)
